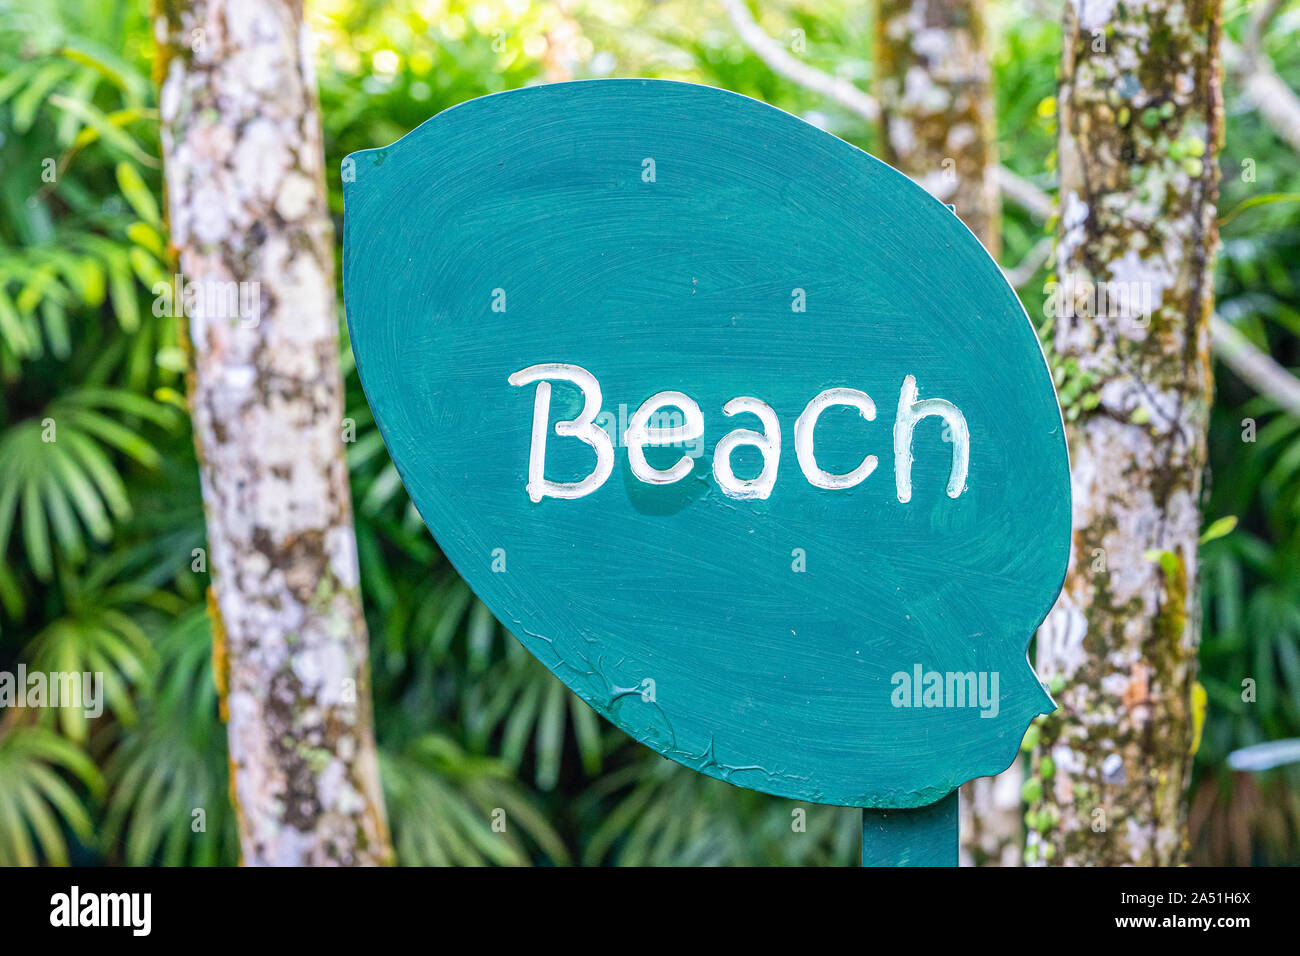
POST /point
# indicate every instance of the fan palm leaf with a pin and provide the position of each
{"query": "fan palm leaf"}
(41, 774)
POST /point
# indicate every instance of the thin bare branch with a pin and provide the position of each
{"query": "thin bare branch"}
(1263, 88)
(1262, 16)
(1025, 270)
(1269, 94)
(1252, 364)
(792, 68)
(1015, 188)
(1025, 194)
(1255, 367)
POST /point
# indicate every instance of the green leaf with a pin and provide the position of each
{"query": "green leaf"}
(144, 235)
(121, 290)
(35, 93)
(13, 332)
(35, 767)
(138, 195)
(1219, 528)
(1266, 199)
(35, 534)
(84, 51)
(107, 128)
(14, 80)
(1169, 562)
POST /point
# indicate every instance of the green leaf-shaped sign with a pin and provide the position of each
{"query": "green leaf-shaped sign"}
(737, 429)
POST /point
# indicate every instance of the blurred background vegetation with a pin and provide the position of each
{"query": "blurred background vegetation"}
(101, 533)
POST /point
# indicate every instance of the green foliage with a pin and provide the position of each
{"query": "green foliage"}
(166, 773)
(59, 470)
(38, 773)
(451, 808)
(666, 815)
(102, 561)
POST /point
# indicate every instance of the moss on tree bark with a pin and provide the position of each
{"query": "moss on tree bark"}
(1140, 125)
(246, 205)
(936, 105)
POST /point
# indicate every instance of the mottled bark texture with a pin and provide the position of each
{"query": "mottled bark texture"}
(937, 126)
(992, 819)
(246, 201)
(1140, 124)
(936, 105)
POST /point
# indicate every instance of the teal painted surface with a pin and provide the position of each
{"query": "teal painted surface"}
(926, 836)
(675, 610)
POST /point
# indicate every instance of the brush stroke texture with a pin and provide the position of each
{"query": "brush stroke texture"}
(763, 676)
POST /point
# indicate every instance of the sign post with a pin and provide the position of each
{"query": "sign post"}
(737, 429)
(926, 836)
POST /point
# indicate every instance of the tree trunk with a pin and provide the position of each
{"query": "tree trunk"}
(246, 201)
(937, 126)
(936, 105)
(1140, 125)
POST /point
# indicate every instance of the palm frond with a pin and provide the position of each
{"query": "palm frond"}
(43, 781)
(61, 480)
(449, 807)
(167, 775)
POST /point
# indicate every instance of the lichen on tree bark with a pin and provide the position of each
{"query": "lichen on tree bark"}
(1140, 124)
(246, 204)
(936, 105)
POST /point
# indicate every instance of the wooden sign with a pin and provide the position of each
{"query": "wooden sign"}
(738, 430)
